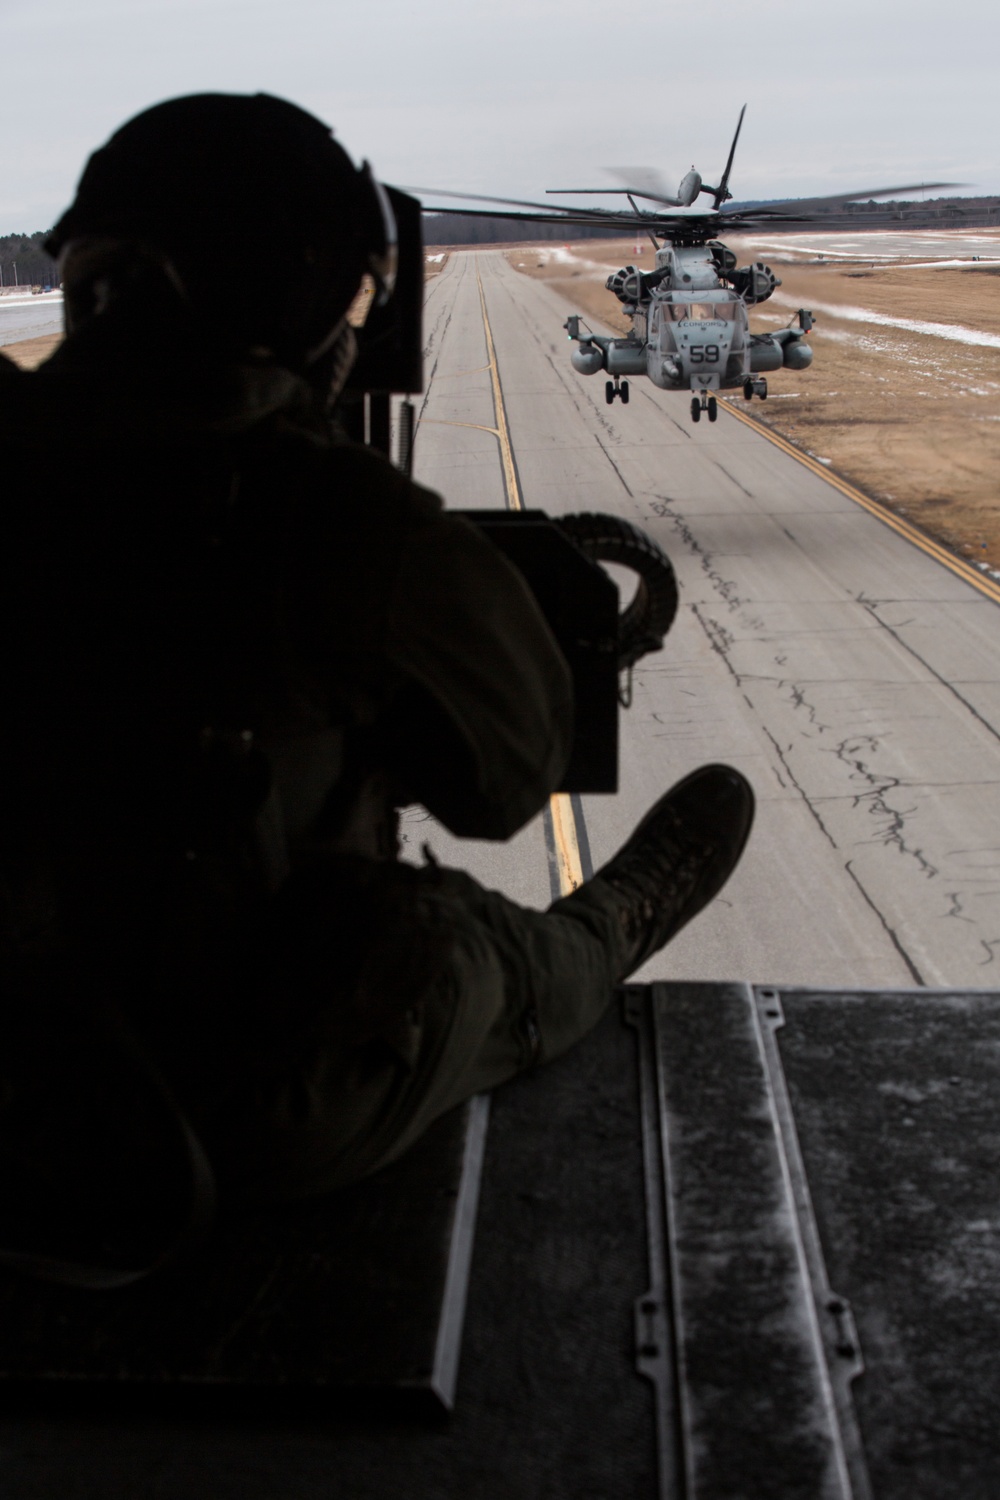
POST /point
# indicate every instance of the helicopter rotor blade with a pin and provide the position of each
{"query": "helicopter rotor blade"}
(639, 215)
(581, 218)
(591, 192)
(722, 193)
(555, 211)
(485, 198)
(820, 211)
(644, 182)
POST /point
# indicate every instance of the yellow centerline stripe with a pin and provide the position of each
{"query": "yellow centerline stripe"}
(560, 809)
(477, 426)
(906, 529)
(566, 842)
(499, 411)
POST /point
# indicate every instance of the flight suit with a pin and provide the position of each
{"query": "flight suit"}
(188, 538)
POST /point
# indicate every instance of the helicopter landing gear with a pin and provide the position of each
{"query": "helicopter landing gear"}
(704, 403)
(754, 386)
(613, 388)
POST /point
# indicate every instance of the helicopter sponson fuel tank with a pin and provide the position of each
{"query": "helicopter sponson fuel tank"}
(616, 356)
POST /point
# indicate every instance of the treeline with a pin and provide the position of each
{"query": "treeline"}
(456, 229)
(981, 208)
(24, 262)
(978, 209)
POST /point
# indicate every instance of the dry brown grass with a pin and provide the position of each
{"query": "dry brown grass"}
(29, 353)
(911, 418)
(432, 266)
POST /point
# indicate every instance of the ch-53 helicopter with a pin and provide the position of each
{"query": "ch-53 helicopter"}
(690, 325)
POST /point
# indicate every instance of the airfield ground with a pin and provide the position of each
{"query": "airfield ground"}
(910, 416)
(30, 352)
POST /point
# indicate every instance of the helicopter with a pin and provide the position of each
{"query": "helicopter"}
(690, 324)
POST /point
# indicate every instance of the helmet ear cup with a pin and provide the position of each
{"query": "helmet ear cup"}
(383, 256)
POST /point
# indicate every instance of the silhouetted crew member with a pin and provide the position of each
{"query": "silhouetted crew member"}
(232, 642)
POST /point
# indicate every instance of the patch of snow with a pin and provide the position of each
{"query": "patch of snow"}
(23, 299)
(980, 263)
(885, 244)
(952, 331)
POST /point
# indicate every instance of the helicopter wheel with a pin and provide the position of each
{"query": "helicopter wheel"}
(695, 409)
(713, 408)
(762, 392)
(609, 391)
(623, 392)
(748, 390)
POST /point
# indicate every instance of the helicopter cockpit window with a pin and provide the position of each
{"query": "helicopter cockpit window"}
(699, 311)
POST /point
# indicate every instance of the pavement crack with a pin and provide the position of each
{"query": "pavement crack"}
(684, 428)
(876, 800)
(956, 909)
(990, 944)
(662, 507)
(794, 782)
(721, 641)
(437, 334)
(887, 927)
(871, 605)
(733, 480)
(800, 701)
(621, 476)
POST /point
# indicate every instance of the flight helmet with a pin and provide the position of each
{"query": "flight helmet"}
(248, 207)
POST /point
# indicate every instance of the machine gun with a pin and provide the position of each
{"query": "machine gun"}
(559, 558)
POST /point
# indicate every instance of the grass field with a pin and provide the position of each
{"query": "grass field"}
(30, 352)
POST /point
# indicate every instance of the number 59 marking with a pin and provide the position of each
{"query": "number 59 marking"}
(705, 354)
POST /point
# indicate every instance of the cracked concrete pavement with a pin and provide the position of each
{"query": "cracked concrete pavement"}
(854, 679)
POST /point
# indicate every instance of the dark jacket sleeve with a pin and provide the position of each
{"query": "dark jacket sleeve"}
(479, 696)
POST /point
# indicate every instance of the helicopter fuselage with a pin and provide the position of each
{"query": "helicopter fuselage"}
(690, 327)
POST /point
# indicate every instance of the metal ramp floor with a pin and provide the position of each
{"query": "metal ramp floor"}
(744, 1246)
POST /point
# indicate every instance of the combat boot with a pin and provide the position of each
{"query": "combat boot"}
(676, 862)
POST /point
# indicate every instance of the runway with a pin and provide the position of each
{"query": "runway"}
(848, 673)
(24, 316)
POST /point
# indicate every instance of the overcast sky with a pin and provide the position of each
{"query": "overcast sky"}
(520, 95)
